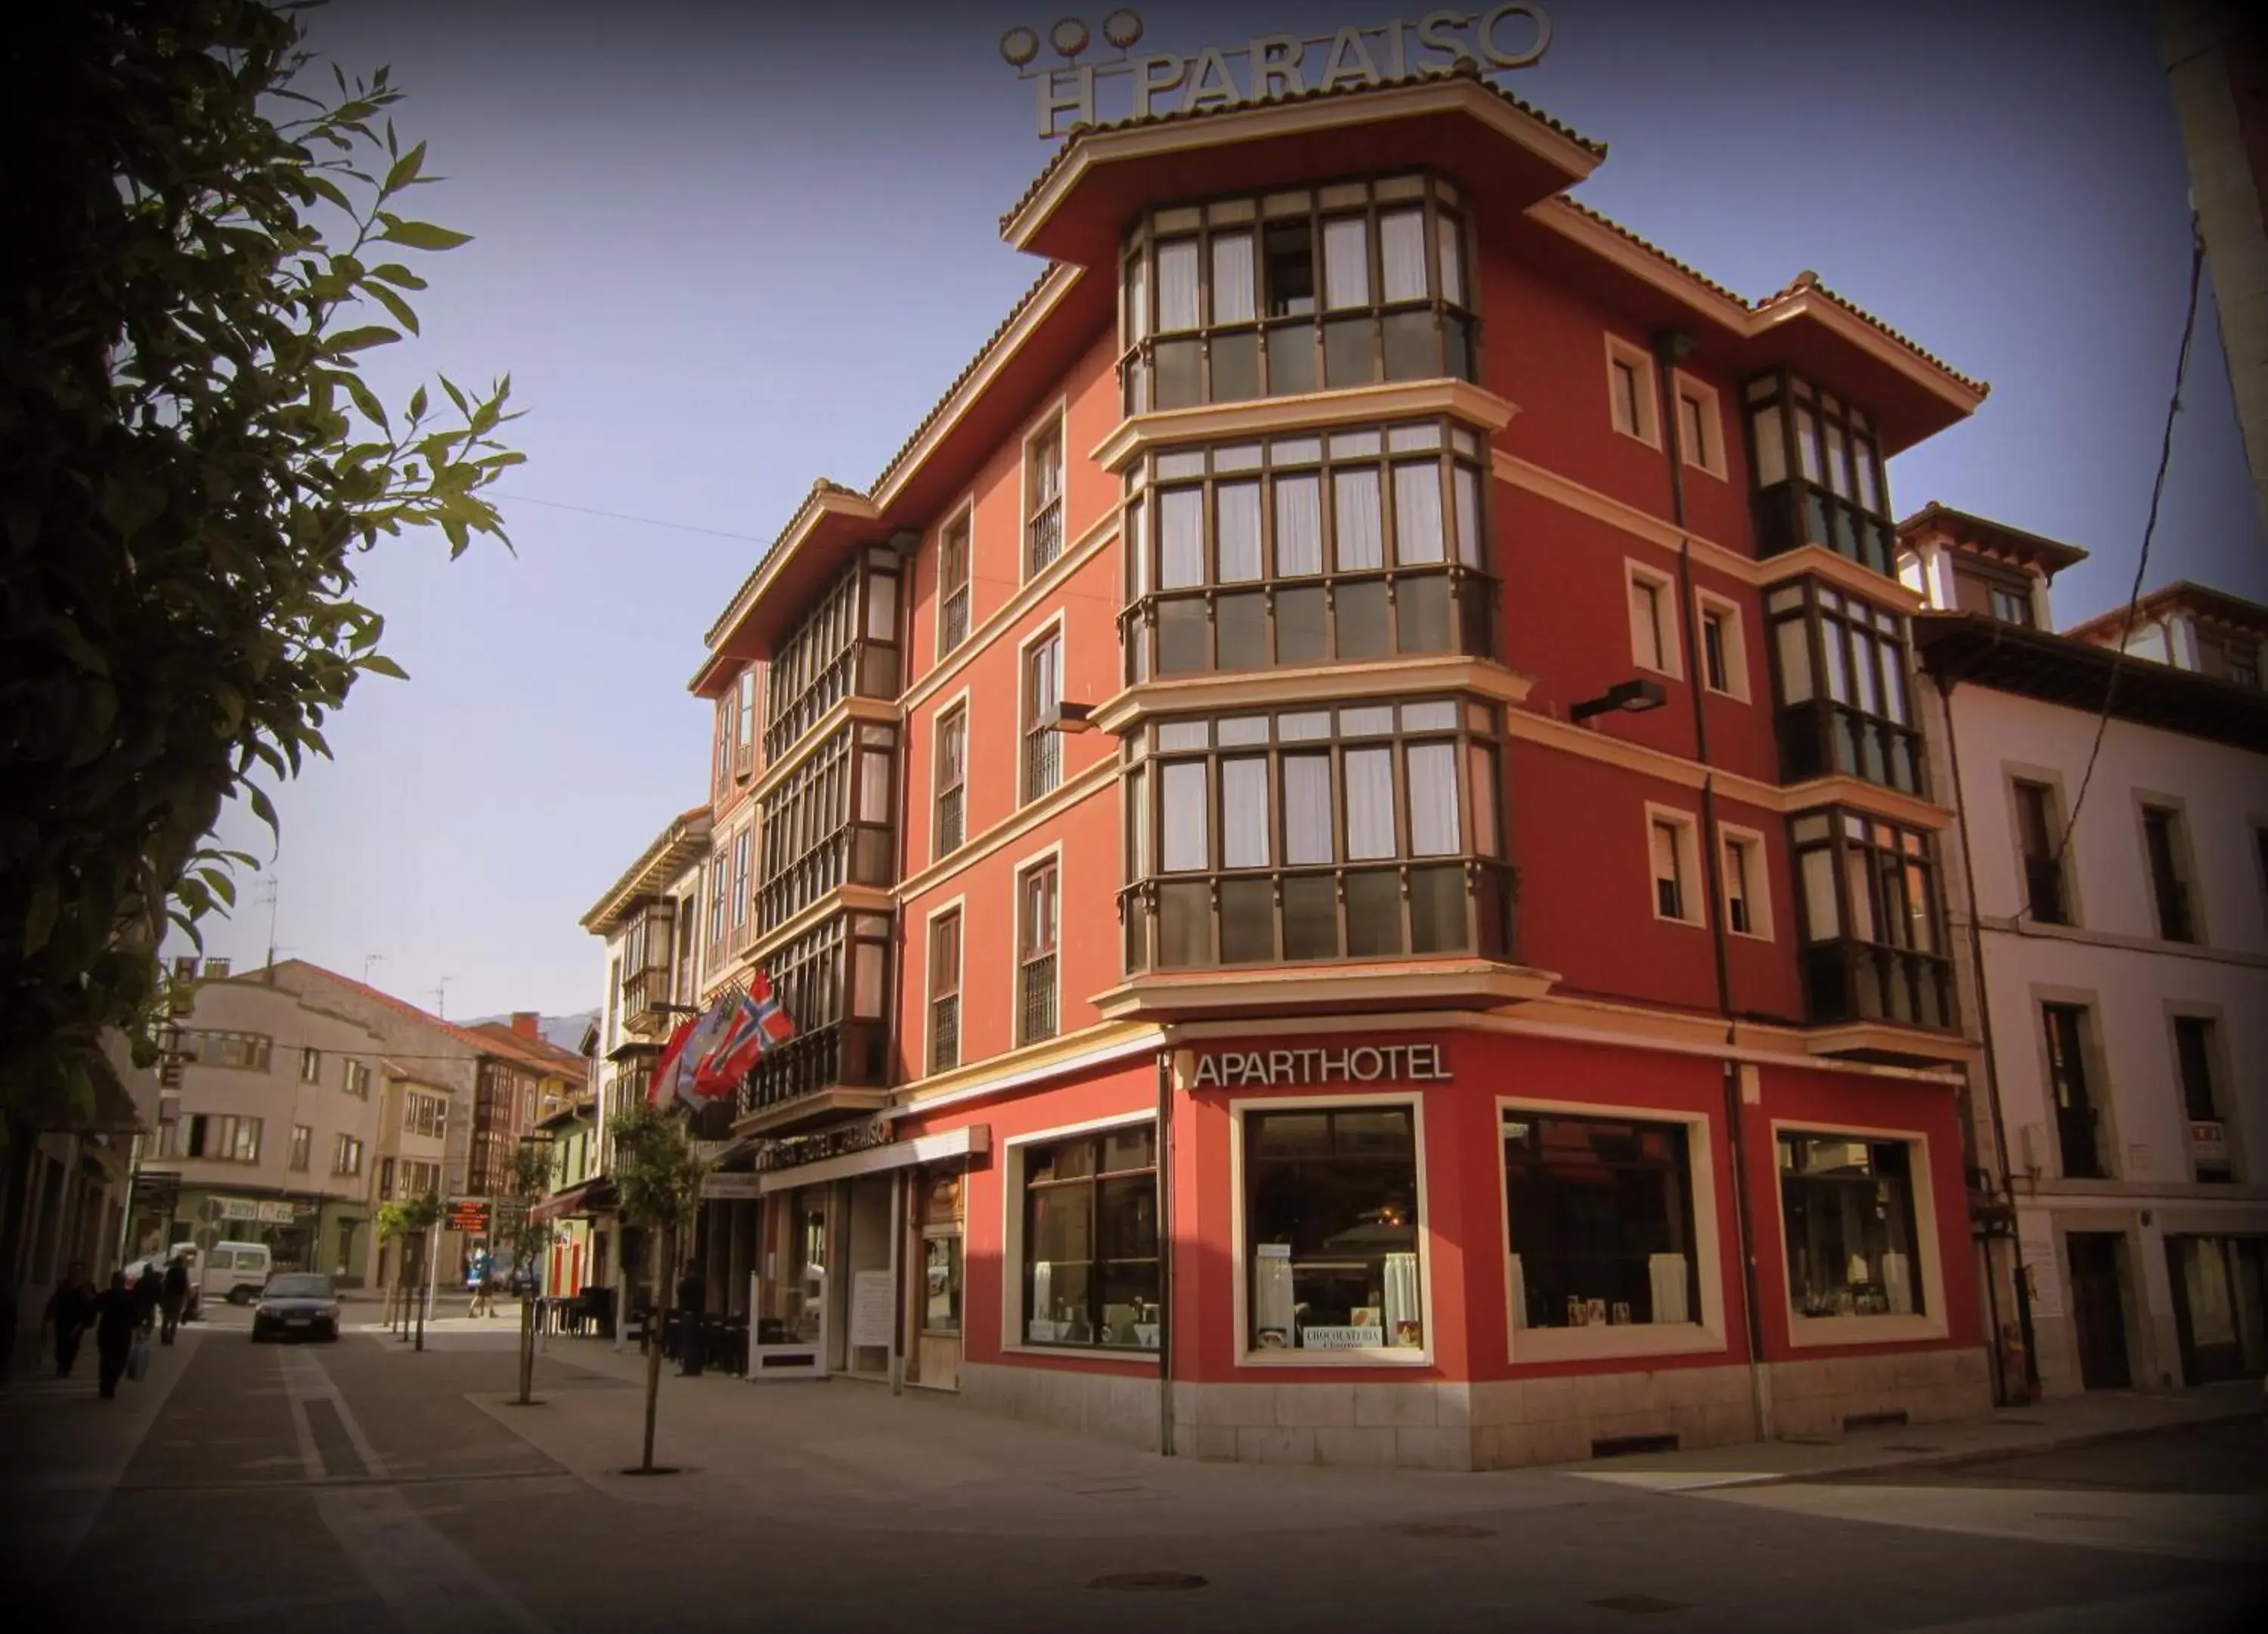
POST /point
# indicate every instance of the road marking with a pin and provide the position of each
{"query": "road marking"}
(429, 1583)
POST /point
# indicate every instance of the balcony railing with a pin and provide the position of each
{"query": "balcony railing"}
(1181, 921)
(944, 1034)
(1044, 537)
(1043, 762)
(1824, 737)
(1852, 981)
(839, 1055)
(1037, 1019)
(951, 828)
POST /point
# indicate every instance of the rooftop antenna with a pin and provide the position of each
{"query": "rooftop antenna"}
(441, 997)
(369, 960)
(269, 897)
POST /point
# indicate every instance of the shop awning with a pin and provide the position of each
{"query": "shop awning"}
(972, 1141)
(581, 1198)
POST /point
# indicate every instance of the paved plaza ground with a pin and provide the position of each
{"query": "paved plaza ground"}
(365, 1486)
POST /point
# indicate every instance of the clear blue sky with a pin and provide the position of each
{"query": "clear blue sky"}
(722, 250)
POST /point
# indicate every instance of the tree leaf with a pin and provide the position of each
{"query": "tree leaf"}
(393, 303)
(379, 664)
(405, 168)
(361, 339)
(421, 235)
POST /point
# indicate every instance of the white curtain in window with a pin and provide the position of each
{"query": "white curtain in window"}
(1177, 285)
(1403, 1315)
(1369, 804)
(1298, 525)
(1453, 260)
(1244, 812)
(1898, 1283)
(1047, 681)
(1823, 922)
(1772, 458)
(1862, 900)
(1346, 263)
(1482, 771)
(1138, 545)
(1181, 538)
(1238, 546)
(1465, 486)
(1355, 512)
(1183, 819)
(1138, 299)
(873, 786)
(1307, 809)
(1518, 1294)
(1432, 800)
(1417, 513)
(1232, 278)
(1794, 637)
(1645, 624)
(1666, 1274)
(1401, 253)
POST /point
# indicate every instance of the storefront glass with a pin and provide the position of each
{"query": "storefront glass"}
(2220, 1305)
(1600, 1217)
(1331, 1220)
(1848, 1204)
(1091, 1240)
(941, 1254)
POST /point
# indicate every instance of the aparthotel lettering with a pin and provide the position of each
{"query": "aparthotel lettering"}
(1364, 1064)
(1283, 65)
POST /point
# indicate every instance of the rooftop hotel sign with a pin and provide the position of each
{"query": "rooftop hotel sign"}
(1265, 69)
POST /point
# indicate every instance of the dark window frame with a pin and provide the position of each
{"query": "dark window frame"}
(1628, 1153)
(1880, 1176)
(2083, 1146)
(1903, 974)
(1092, 1179)
(1798, 508)
(943, 974)
(1259, 1166)
(955, 543)
(1821, 734)
(833, 651)
(1039, 952)
(1040, 765)
(950, 778)
(817, 837)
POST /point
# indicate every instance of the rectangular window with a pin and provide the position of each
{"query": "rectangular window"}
(744, 734)
(302, 1139)
(1331, 1224)
(1818, 474)
(358, 1079)
(1653, 639)
(1848, 710)
(1090, 1216)
(2208, 1136)
(346, 1156)
(1747, 909)
(2038, 833)
(1600, 1221)
(385, 1170)
(1043, 512)
(952, 780)
(1724, 650)
(953, 586)
(2161, 836)
(2011, 606)
(1629, 390)
(1699, 443)
(1042, 768)
(1849, 1208)
(1038, 904)
(311, 1066)
(720, 892)
(2079, 1125)
(740, 878)
(424, 1115)
(944, 991)
(1671, 851)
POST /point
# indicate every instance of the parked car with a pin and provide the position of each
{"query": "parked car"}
(297, 1304)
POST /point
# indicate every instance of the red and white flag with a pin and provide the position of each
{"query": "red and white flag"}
(664, 1070)
(755, 1023)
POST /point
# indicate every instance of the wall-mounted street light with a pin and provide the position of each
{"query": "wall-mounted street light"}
(1069, 717)
(1631, 697)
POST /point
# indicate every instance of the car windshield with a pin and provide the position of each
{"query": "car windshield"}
(298, 1287)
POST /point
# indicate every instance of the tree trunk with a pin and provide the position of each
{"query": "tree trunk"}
(654, 1263)
(424, 1289)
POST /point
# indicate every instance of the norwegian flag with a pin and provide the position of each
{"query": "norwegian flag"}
(754, 1023)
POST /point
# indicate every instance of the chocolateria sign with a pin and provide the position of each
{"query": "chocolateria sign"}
(1264, 68)
(1361, 1064)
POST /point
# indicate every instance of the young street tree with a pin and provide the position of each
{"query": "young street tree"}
(202, 238)
(658, 1176)
(530, 1239)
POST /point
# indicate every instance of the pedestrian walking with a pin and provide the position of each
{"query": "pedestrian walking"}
(70, 1307)
(476, 1279)
(149, 1288)
(690, 1293)
(174, 1297)
(115, 1322)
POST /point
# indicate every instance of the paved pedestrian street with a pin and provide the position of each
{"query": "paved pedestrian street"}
(362, 1485)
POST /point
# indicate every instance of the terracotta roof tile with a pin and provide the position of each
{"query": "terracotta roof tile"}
(1808, 282)
(819, 486)
(463, 1035)
(1464, 70)
(1563, 202)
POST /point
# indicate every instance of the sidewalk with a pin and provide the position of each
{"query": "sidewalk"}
(2044, 1427)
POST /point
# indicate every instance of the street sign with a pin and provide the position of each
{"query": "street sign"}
(468, 1214)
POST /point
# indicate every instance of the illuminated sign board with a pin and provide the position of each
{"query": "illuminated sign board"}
(1267, 68)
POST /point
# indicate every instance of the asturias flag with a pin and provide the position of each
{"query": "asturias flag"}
(756, 1023)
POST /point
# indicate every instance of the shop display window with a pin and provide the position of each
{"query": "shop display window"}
(1601, 1218)
(941, 1255)
(1331, 1229)
(1849, 1209)
(1091, 1240)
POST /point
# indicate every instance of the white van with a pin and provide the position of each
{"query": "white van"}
(234, 1272)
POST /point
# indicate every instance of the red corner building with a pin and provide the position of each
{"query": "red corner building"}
(1346, 831)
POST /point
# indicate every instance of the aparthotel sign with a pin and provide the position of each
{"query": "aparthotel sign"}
(1362, 1064)
(1271, 66)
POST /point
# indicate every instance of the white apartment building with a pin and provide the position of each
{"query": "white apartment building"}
(275, 1132)
(2119, 934)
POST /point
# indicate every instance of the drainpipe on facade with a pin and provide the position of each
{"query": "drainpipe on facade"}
(1164, 1254)
(1670, 348)
(1945, 685)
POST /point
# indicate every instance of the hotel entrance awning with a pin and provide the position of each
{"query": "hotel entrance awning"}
(972, 1141)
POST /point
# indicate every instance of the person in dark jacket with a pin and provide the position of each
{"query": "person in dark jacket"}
(149, 1288)
(116, 1315)
(70, 1307)
(175, 1296)
(690, 1293)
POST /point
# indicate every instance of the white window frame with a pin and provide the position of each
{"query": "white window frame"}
(1381, 1356)
(1693, 880)
(953, 905)
(959, 700)
(964, 512)
(1756, 879)
(311, 1065)
(1648, 430)
(1013, 1150)
(1808, 1331)
(1055, 417)
(1054, 626)
(1017, 871)
(1705, 1335)
(1736, 687)
(1672, 643)
(1710, 457)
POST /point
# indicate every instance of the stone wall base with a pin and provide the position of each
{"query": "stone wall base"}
(1496, 1424)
